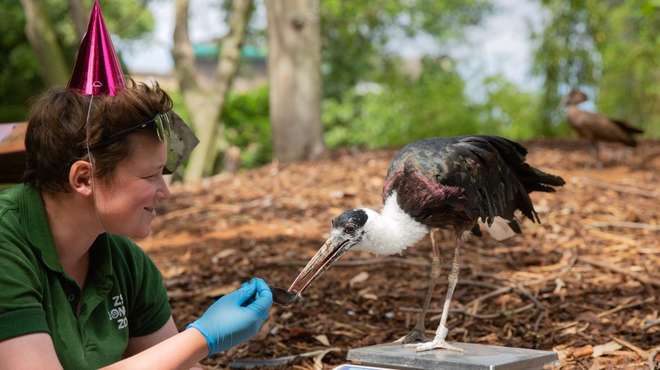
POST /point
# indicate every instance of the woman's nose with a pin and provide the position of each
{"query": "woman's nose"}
(164, 190)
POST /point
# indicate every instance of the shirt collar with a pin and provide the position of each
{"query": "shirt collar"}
(101, 259)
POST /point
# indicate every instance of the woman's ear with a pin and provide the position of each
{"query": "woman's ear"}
(80, 177)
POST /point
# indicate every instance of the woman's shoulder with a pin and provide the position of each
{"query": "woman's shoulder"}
(13, 236)
(9, 193)
(21, 211)
(9, 201)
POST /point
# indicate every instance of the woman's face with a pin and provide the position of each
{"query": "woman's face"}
(126, 203)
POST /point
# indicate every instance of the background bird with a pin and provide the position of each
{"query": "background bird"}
(449, 183)
(597, 127)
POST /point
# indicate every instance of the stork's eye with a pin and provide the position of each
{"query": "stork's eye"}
(349, 229)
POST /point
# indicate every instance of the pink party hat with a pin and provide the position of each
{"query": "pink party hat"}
(97, 70)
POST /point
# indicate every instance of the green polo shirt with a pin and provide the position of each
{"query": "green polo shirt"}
(123, 296)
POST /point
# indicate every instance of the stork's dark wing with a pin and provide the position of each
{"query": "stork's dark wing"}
(465, 178)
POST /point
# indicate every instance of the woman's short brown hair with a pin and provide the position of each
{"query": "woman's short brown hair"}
(56, 132)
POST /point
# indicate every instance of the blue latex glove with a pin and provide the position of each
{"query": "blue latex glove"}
(235, 317)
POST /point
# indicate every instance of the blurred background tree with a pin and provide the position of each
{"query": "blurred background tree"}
(204, 95)
(294, 75)
(23, 74)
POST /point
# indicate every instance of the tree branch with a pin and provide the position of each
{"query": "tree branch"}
(182, 52)
(42, 38)
(205, 102)
(77, 11)
(231, 45)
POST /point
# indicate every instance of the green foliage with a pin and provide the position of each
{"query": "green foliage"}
(19, 71)
(247, 126)
(402, 109)
(509, 112)
(128, 19)
(355, 34)
(19, 77)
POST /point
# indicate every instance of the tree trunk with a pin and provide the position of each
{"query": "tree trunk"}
(41, 35)
(78, 13)
(205, 100)
(294, 69)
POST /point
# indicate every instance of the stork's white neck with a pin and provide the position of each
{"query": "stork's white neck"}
(390, 231)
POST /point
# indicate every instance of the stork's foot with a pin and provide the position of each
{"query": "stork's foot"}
(434, 344)
(437, 343)
(415, 336)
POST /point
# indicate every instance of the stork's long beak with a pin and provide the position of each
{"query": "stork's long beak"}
(332, 249)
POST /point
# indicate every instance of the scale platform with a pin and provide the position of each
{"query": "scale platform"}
(474, 357)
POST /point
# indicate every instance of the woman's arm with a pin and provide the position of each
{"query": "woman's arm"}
(180, 351)
(139, 344)
(31, 351)
(36, 351)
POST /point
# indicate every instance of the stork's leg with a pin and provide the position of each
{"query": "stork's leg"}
(596, 149)
(441, 332)
(417, 334)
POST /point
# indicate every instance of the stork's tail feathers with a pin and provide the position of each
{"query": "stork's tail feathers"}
(532, 178)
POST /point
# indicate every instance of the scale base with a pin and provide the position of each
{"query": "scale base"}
(474, 357)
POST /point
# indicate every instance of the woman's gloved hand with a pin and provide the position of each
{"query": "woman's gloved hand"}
(235, 317)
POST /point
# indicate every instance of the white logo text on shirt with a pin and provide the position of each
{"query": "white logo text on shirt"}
(118, 312)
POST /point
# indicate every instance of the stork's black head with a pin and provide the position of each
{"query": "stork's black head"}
(350, 222)
(347, 231)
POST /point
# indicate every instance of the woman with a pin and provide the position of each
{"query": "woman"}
(75, 292)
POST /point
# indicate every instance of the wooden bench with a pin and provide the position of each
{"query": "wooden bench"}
(12, 151)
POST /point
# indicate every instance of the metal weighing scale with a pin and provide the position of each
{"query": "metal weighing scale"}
(475, 357)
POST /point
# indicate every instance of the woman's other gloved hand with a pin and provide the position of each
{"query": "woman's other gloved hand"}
(235, 317)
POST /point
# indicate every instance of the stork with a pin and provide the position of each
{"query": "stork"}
(597, 127)
(441, 183)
